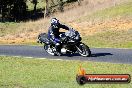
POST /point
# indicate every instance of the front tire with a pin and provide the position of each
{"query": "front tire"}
(83, 50)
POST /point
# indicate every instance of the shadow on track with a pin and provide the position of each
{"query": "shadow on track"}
(100, 54)
(92, 55)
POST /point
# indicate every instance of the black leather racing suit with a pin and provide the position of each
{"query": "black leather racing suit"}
(53, 33)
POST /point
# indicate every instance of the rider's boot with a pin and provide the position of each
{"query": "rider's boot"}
(58, 49)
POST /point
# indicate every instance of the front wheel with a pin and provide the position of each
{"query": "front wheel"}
(83, 50)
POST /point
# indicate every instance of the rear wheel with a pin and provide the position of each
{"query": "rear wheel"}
(49, 50)
(83, 50)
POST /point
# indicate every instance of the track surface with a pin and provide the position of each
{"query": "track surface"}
(98, 54)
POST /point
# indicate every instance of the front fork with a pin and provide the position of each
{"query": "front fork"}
(77, 46)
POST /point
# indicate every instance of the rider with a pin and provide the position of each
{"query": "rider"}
(53, 32)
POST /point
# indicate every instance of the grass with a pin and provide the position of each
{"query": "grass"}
(121, 10)
(8, 28)
(107, 37)
(36, 73)
(114, 39)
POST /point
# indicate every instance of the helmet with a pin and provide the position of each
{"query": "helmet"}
(55, 22)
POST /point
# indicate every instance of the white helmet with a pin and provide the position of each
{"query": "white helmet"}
(55, 22)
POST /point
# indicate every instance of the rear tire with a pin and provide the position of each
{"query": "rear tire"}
(83, 50)
(49, 50)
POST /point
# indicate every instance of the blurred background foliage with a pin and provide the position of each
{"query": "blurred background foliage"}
(22, 10)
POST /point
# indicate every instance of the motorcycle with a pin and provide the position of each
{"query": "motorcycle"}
(70, 43)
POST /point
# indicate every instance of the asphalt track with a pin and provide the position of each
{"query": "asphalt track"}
(98, 54)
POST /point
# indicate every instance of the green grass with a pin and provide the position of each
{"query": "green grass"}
(122, 10)
(114, 39)
(35, 73)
